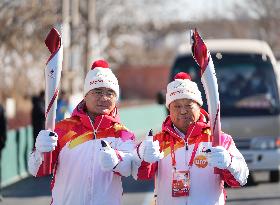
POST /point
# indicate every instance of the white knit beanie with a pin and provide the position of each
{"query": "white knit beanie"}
(182, 87)
(99, 76)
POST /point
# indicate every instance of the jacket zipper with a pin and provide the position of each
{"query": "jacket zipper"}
(90, 194)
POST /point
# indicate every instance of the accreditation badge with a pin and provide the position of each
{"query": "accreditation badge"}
(180, 183)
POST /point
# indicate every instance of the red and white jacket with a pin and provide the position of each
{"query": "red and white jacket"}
(206, 187)
(78, 177)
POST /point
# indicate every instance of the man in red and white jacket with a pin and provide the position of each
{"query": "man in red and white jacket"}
(85, 171)
(181, 156)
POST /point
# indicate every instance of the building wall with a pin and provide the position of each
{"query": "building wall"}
(142, 82)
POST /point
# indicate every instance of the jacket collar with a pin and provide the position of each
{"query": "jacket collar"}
(194, 130)
(100, 121)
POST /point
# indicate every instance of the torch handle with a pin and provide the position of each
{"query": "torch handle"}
(47, 161)
(47, 168)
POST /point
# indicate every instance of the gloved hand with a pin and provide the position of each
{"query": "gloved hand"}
(219, 157)
(108, 158)
(149, 150)
(46, 141)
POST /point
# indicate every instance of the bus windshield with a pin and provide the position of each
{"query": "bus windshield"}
(247, 84)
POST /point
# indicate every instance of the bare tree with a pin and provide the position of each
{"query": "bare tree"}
(121, 26)
(26, 24)
(265, 18)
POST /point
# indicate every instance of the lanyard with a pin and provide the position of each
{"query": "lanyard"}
(95, 130)
(192, 156)
(194, 152)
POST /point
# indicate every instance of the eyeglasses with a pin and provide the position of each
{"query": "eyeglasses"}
(100, 93)
(191, 106)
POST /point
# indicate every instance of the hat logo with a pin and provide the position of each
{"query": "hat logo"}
(95, 82)
(182, 91)
(102, 81)
(176, 92)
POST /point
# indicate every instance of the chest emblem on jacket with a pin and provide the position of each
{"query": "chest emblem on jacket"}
(200, 161)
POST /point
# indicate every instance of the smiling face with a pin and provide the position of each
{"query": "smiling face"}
(184, 112)
(100, 101)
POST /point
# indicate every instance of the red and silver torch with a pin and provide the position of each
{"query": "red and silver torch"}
(209, 80)
(52, 78)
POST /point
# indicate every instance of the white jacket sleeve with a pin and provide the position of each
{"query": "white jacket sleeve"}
(46, 141)
(34, 161)
(237, 172)
(238, 167)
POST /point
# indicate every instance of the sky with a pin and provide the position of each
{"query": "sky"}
(185, 10)
(195, 9)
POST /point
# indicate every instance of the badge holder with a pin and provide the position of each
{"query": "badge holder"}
(181, 178)
(180, 183)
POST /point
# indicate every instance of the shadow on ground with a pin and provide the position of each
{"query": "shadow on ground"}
(132, 186)
(29, 187)
(32, 187)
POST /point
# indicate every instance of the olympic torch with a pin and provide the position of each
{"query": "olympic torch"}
(209, 81)
(52, 78)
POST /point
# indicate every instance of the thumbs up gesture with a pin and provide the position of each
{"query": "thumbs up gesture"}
(149, 150)
(108, 157)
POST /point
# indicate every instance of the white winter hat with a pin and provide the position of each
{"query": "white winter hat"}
(99, 76)
(182, 87)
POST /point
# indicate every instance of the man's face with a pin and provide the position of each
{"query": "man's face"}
(100, 101)
(183, 112)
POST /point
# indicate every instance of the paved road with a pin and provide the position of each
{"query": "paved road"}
(33, 191)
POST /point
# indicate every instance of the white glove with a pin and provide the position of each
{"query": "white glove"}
(108, 158)
(46, 141)
(219, 157)
(149, 150)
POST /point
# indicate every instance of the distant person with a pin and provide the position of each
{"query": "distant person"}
(63, 107)
(3, 128)
(3, 137)
(38, 114)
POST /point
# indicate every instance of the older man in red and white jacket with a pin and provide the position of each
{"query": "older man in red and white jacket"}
(181, 156)
(91, 149)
